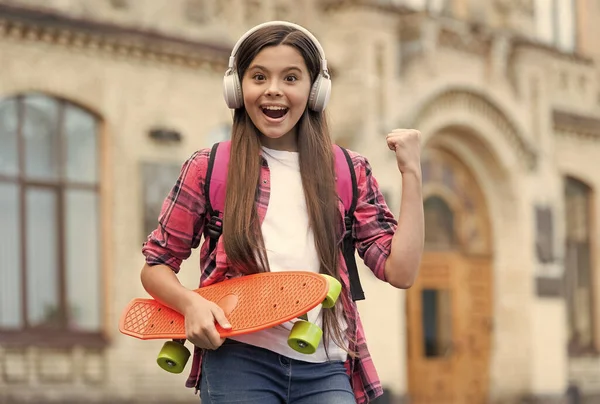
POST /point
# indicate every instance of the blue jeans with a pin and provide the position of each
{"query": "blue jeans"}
(242, 373)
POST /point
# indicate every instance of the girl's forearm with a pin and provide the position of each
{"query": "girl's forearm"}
(403, 263)
(163, 285)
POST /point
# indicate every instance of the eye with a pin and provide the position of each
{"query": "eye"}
(291, 78)
(259, 77)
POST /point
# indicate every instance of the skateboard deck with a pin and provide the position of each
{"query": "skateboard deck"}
(251, 303)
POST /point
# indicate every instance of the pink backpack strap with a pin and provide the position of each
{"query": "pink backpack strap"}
(346, 179)
(347, 189)
(216, 176)
(215, 188)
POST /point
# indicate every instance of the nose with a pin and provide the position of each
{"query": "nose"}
(273, 89)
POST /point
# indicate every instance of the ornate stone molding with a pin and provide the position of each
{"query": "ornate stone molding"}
(480, 106)
(28, 25)
(570, 124)
(386, 6)
(515, 6)
(470, 39)
(522, 43)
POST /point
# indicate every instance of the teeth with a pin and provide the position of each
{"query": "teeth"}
(274, 108)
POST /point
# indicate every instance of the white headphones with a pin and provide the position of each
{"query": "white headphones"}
(321, 88)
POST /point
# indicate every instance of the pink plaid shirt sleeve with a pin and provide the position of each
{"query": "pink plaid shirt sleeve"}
(375, 224)
(181, 221)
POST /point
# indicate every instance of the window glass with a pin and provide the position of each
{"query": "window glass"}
(10, 258)
(42, 258)
(40, 132)
(437, 323)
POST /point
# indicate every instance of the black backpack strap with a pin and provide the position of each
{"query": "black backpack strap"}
(348, 249)
(215, 224)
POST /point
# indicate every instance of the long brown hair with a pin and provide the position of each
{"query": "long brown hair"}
(242, 234)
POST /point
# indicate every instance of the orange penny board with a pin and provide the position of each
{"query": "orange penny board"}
(251, 303)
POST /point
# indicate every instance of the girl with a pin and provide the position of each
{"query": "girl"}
(282, 213)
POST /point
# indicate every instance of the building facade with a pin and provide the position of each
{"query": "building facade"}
(102, 101)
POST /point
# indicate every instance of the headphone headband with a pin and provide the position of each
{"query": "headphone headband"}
(274, 23)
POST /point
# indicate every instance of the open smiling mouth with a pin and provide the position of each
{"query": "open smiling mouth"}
(275, 112)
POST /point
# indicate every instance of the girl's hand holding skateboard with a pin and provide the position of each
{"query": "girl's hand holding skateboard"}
(200, 316)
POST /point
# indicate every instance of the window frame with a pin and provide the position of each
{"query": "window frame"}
(61, 336)
(593, 349)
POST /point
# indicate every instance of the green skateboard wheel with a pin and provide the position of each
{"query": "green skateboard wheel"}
(305, 337)
(173, 357)
(335, 287)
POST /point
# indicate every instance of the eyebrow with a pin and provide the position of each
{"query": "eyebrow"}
(288, 69)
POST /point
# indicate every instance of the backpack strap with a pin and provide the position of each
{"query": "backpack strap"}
(347, 189)
(215, 188)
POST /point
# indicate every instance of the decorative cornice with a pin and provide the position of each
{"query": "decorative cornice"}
(570, 124)
(480, 106)
(521, 42)
(387, 6)
(50, 27)
(525, 7)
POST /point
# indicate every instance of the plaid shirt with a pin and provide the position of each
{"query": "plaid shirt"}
(182, 224)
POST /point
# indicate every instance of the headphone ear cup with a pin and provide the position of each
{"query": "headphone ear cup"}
(319, 94)
(232, 90)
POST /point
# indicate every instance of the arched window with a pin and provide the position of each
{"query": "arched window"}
(50, 278)
(440, 233)
(578, 266)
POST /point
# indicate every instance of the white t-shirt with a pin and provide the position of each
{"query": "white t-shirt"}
(290, 246)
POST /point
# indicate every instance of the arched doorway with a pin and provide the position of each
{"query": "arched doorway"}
(449, 309)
